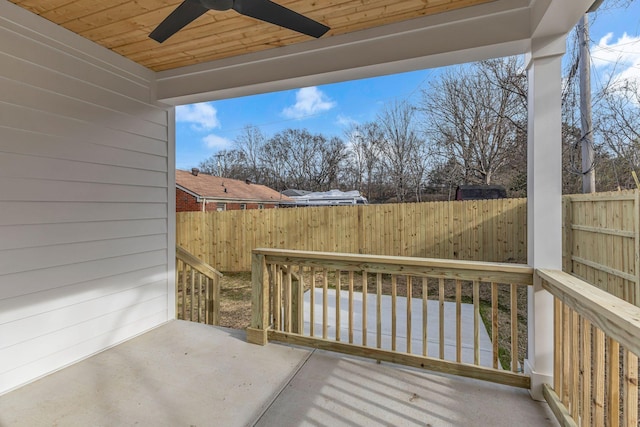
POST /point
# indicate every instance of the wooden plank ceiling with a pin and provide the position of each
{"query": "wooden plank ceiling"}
(124, 25)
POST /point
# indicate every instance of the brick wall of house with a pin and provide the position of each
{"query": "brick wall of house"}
(185, 202)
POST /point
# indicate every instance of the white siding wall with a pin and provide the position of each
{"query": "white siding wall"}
(85, 205)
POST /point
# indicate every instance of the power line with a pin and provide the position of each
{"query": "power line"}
(614, 62)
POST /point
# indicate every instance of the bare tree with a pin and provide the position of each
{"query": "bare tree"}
(618, 127)
(250, 143)
(476, 117)
(225, 163)
(365, 144)
(296, 158)
(401, 148)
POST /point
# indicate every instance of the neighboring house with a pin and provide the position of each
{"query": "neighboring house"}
(326, 198)
(197, 191)
(480, 192)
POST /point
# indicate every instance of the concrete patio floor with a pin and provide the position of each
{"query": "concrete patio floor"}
(188, 374)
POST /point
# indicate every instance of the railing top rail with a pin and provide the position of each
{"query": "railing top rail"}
(196, 263)
(412, 265)
(614, 316)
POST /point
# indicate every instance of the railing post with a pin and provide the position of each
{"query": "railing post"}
(257, 331)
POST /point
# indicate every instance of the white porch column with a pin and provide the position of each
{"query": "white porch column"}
(544, 194)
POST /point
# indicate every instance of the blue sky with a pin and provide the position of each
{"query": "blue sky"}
(204, 129)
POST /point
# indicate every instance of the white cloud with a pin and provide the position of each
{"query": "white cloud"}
(202, 116)
(309, 101)
(345, 121)
(619, 60)
(216, 142)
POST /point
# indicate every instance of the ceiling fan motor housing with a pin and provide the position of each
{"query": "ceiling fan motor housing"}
(217, 4)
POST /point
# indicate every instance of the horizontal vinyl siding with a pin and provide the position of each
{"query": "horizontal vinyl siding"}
(27, 236)
(28, 283)
(84, 208)
(34, 212)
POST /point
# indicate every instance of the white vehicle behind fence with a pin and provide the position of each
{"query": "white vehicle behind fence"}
(326, 198)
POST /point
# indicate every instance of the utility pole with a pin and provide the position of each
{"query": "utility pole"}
(586, 133)
(218, 156)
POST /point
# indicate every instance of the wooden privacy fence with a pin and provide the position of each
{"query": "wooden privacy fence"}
(602, 241)
(423, 313)
(197, 289)
(592, 386)
(488, 230)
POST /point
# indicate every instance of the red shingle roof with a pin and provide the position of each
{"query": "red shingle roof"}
(213, 187)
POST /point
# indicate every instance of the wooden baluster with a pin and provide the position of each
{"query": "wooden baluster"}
(279, 316)
(409, 292)
(184, 291)
(351, 307)
(312, 301)
(458, 321)
(598, 378)
(476, 322)
(297, 300)
(208, 301)
(325, 302)
(364, 308)
(425, 314)
(566, 362)
(630, 389)
(394, 292)
(557, 345)
(613, 383)
(271, 271)
(338, 274)
(514, 327)
(301, 300)
(192, 286)
(585, 372)
(177, 288)
(441, 316)
(199, 306)
(379, 310)
(216, 304)
(494, 325)
(575, 360)
(287, 299)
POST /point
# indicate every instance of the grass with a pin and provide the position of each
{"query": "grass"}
(235, 300)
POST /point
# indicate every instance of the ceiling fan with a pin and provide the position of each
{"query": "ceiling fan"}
(264, 10)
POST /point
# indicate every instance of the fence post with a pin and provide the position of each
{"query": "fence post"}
(257, 331)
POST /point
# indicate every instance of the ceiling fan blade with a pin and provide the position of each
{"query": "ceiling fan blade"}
(273, 13)
(188, 11)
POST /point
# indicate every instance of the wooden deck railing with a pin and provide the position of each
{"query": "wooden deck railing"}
(419, 312)
(597, 343)
(197, 289)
